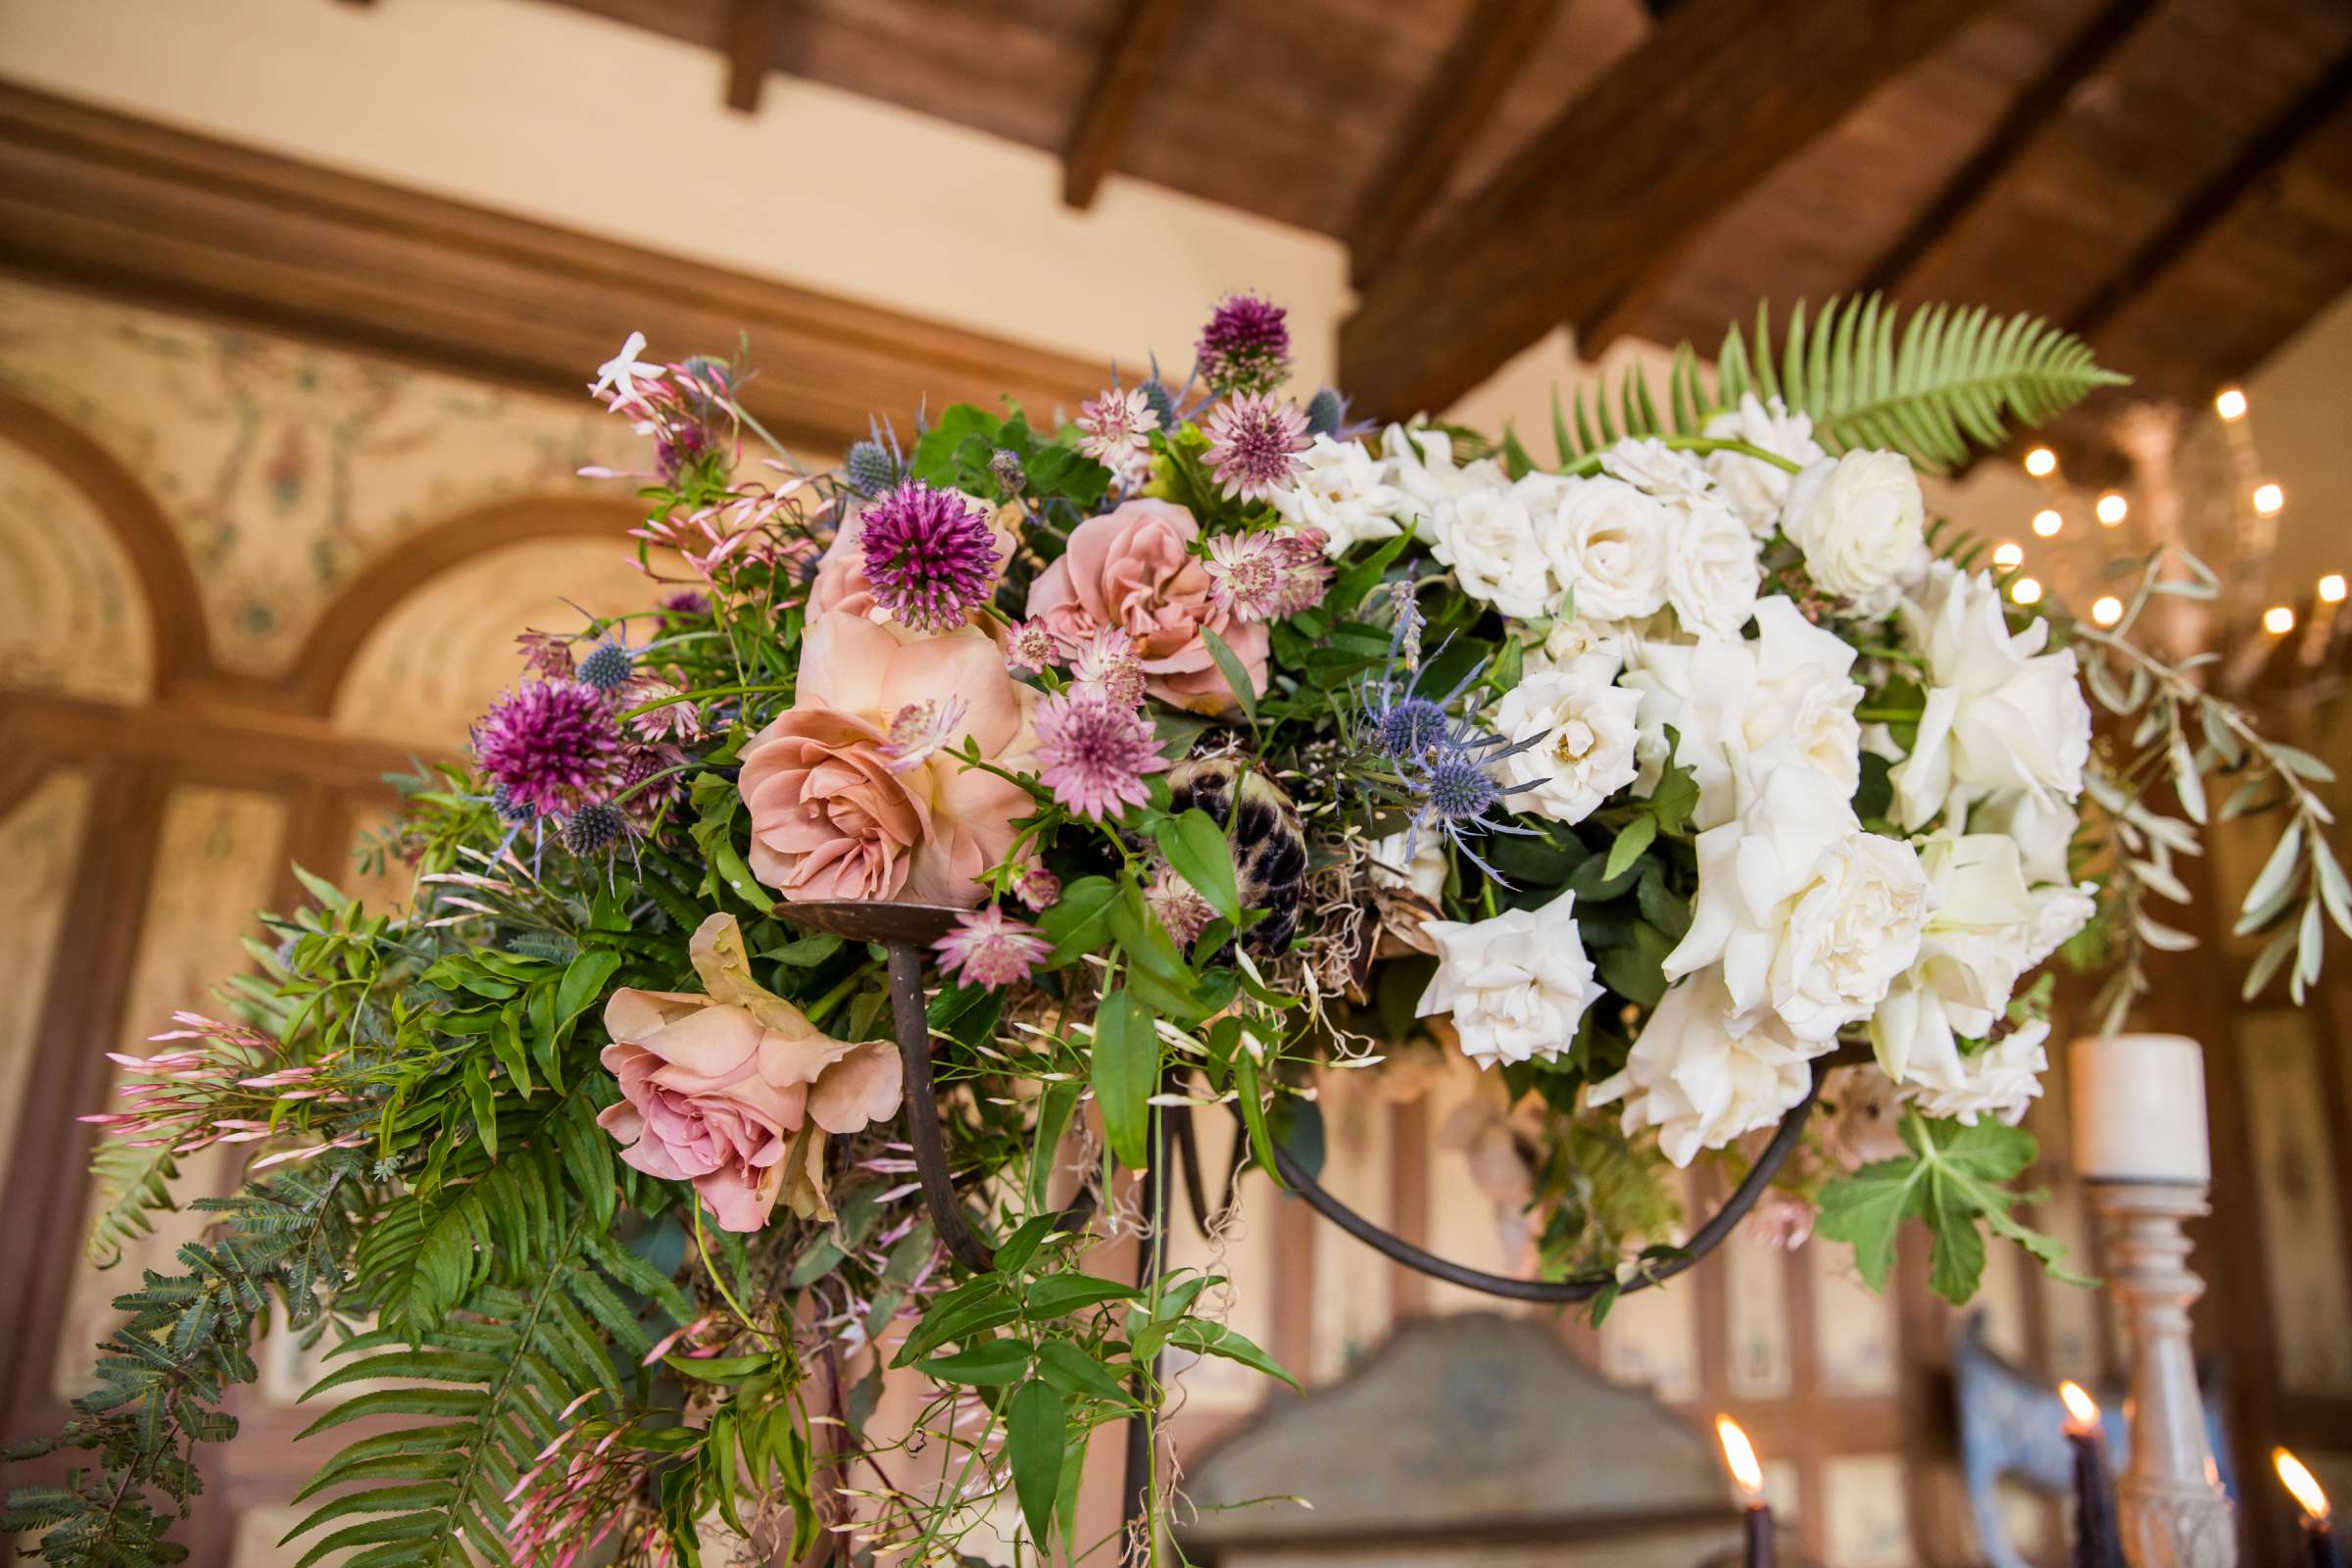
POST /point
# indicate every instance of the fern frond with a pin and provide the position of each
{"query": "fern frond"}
(1929, 384)
(133, 1184)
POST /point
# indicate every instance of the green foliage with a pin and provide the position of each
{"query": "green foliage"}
(133, 1184)
(1950, 1181)
(1927, 385)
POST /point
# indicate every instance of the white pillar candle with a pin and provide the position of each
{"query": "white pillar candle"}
(2139, 1110)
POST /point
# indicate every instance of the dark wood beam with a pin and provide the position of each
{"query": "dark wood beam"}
(750, 31)
(2043, 99)
(1709, 104)
(1110, 103)
(108, 203)
(2211, 202)
(1493, 46)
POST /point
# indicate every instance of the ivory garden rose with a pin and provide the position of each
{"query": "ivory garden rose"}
(835, 814)
(1861, 521)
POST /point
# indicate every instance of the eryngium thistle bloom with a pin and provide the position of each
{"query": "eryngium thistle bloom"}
(591, 828)
(868, 467)
(548, 743)
(990, 948)
(1246, 347)
(607, 668)
(1254, 445)
(1093, 752)
(1005, 468)
(930, 556)
(1326, 412)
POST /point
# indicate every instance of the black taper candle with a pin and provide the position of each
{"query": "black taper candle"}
(1760, 1544)
(2320, 1544)
(2098, 1538)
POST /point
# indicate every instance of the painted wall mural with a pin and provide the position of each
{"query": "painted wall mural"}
(72, 620)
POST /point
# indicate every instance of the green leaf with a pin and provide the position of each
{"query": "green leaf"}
(583, 983)
(1080, 919)
(1237, 674)
(1035, 1428)
(1125, 1075)
(1198, 850)
(1076, 1373)
(992, 1363)
(1630, 842)
(1058, 1295)
(1215, 1338)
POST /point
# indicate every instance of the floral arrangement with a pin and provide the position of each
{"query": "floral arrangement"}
(1239, 745)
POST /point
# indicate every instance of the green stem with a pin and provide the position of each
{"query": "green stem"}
(1590, 465)
(702, 692)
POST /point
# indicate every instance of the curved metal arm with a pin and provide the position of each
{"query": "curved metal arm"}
(1584, 1285)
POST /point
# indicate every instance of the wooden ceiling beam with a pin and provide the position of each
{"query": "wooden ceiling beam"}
(1110, 103)
(2043, 99)
(750, 31)
(1692, 117)
(1493, 46)
(2212, 200)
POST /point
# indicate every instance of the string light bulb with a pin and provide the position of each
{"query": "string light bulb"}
(2041, 463)
(2107, 609)
(2047, 522)
(2008, 555)
(2270, 498)
(2331, 588)
(2229, 402)
(2113, 509)
(2278, 619)
(2026, 591)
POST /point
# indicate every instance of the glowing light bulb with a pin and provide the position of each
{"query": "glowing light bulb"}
(2107, 609)
(2008, 555)
(2231, 404)
(2269, 498)
(2301, 1484)
(2113, 509)
(2047, 522)
(2278, 619)
(2331, 588)
(2041, 463)
(1739, 1455)
(2026, 591)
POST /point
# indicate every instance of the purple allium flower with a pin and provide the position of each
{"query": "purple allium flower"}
(930, 556)
(1038, 889)
(548, 743)
(1105, 660)
(1254, 443)
(687, 603)
(1116, 430)
(1265, 576)
(1184, 911)
(991, 949)
(1093, 752)
(1246, 347)
(1032, 648)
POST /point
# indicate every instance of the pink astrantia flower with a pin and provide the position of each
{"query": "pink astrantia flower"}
(1265, 576)
(990, 948)
(920, 731)
(546, 653)
(1116, 430)
(1038, 889)
(1032, 648)
(1255, 445)
(1184, 911)
(1105, 660)
(1093, 752)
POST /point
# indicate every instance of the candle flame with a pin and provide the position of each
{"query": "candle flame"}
(2302, 1483)
(1739, 1455)
(2078, 1405)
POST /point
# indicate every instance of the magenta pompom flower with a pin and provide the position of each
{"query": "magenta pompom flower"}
(1255, 445)
(1246, 347)
(1093, 752)
(990, 948)
(548, 744)
(931, 557)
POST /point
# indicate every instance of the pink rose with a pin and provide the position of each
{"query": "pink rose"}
(840, 582)
(718, 1087)
(830, 818)
(1130, 568)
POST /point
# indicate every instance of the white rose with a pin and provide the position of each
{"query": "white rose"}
(1345, 491)
(1711, 571)
(2000, 713)
(1649, 464)
(1579, 643)
(2058, 913)
(1755, 488)
(1999, 1081)
(2043, 825)
(1420, 464)
(1578, 736)
(1414, 861)
(1860, 521)
(1517, 985)
(1972, 950)
(1743, 708)
(1606, 541)
(1703, 1075)
(1812, 918)
(1488, 538)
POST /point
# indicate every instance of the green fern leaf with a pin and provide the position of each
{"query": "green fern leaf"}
(133, 1182)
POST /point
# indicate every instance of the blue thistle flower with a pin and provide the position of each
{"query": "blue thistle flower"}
(1160, 401)
(608, 669)
(591, 829)
(1411, 728)
(508, 807)
(869, 467)
(1005, 468)
(1326, 412)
